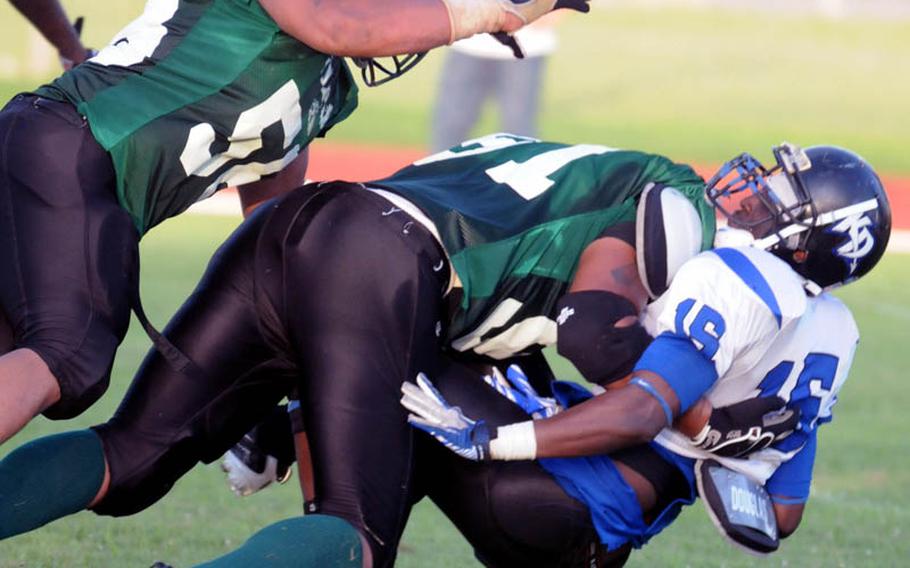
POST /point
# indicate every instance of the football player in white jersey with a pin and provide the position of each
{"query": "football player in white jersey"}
(739, 323)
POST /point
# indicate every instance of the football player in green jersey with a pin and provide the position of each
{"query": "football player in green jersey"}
(189, 98)
(341, 291)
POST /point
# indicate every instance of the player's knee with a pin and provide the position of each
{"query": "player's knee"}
(142, 468)
(82, 382)
(79, 362)
(535, 511)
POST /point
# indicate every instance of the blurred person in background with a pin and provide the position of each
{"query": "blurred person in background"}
(479, 69)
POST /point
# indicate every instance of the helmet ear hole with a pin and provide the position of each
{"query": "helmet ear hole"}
(800, 256)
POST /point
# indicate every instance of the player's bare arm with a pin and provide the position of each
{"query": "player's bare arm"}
(788, 517)
(604, 424)
(252, 195)
(360, 28)
(599, 330)
(50, 19)
(609, 264)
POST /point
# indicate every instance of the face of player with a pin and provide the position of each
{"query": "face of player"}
(753, 215)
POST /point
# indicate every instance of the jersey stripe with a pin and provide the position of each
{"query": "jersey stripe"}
(748, 273)
(155, 87)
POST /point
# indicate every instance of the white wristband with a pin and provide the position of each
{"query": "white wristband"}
(469, 17)
(514, 442)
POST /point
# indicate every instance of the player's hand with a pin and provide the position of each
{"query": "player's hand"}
(249, 469)
(746, 427)
(528, 11)
(77, 53)
(518, 389)
(431, 413)
(68, 63)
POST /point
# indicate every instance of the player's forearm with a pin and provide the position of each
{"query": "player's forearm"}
(602, 424)
(254, 194)
(365, 28)
(360, 28)
(50, 19)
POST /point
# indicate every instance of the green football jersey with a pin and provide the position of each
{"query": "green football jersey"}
(514, 215)
(197, 95)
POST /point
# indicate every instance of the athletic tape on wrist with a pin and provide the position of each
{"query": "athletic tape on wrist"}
(649, 388)
(469, 17)
(514, 442)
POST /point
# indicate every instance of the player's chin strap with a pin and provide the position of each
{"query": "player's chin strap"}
(739, 507)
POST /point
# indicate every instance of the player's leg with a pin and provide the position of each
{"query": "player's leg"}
(168, 420)
(363, 306)
(512, 513)
(298, 542)
(464, 84)
(68, 252)
(519, 513)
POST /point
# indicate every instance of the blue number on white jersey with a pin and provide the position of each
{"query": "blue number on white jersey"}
(811, 394)
(706, 329)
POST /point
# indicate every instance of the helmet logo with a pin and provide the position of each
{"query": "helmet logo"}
(859, 241)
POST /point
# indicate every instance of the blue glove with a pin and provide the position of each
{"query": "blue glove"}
(519, 390)
(431, 413)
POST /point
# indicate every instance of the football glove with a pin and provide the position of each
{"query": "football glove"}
(249, 469)
(431, 413)
(530, 10)
(509, 41)
(746, 427)
(469, 17)
(518, 389)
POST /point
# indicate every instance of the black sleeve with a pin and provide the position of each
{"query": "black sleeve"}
(624, 231)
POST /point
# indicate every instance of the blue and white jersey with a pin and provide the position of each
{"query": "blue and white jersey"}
(736, 324)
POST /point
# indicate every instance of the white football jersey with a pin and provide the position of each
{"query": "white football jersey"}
(746, 311)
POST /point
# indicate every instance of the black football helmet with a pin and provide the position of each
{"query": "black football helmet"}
(823, 210)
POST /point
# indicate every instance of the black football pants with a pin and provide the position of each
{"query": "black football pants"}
(330, 291)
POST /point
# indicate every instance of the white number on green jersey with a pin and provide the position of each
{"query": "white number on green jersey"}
(283, 106)
(528, 179)
(141, 37)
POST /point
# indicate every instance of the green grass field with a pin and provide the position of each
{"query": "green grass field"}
(696, 85)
